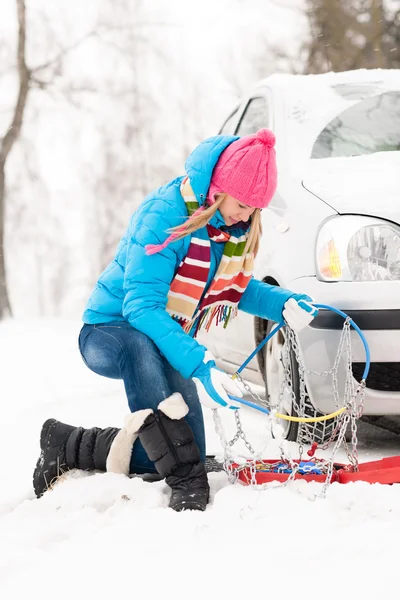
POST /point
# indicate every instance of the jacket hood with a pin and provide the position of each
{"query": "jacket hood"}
(201, 162)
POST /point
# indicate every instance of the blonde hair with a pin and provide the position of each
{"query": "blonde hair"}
(192, 224)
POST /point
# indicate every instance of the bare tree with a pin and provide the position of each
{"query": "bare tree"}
(40, 77)
(7, 143)
(27, 78)
(347, 35)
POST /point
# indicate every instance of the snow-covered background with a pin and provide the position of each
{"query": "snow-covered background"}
(138, 86)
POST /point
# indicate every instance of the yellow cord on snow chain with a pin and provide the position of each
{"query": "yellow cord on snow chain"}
(311, 419)
(304, 419)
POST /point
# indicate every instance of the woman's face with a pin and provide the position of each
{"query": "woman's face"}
(234, 211)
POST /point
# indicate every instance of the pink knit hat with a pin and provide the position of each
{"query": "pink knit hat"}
(246, 170)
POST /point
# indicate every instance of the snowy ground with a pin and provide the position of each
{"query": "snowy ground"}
(104, 534)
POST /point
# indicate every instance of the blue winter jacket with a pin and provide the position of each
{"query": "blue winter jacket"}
(134, 286)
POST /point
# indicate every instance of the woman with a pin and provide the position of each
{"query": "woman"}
(185, 262)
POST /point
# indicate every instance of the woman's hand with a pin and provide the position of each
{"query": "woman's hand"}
(299, 311)
(213, 385)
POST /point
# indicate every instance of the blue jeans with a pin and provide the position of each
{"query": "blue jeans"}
(119, 351)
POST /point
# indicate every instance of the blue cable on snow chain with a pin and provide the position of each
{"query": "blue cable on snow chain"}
(282, 324)
(360, 333)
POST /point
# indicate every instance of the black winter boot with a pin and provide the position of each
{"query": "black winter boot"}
(64, 447)
(170, 444)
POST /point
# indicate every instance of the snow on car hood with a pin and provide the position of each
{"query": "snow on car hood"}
(367, 185)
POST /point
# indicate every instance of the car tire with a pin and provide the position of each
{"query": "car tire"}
(270, 363)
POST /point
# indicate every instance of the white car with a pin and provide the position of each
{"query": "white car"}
(332, 230)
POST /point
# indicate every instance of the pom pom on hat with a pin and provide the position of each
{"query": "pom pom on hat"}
(267, 137)
(247, 170)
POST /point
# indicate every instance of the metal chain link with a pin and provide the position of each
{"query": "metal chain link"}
(252, 392)
(302, 405)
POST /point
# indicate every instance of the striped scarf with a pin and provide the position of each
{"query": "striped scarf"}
(187, 302)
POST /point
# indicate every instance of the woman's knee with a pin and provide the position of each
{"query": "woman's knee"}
(100, 351)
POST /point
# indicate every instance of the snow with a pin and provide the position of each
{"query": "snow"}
(311, 101)
(353, 184)
(106, 534)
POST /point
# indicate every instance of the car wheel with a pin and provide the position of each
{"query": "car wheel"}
(273, 374)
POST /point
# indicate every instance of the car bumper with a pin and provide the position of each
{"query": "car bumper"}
(366, 320)
(374, 308)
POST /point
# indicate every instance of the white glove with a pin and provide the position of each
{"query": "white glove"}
(299, 313)
(213, 385)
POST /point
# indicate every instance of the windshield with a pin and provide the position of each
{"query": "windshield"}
(371, 125)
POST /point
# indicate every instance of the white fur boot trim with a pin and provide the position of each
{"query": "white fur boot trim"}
(174, 406)
(119, 456)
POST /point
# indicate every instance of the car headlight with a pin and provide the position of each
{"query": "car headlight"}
(354, 248)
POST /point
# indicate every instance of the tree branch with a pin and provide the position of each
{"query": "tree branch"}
(24, 77)
(57, 59)
(102, 28)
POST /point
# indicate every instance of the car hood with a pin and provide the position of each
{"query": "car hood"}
(365, 185)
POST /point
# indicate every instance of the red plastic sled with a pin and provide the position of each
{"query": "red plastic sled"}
(384, 471)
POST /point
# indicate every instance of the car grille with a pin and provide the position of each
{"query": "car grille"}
(382, 376)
